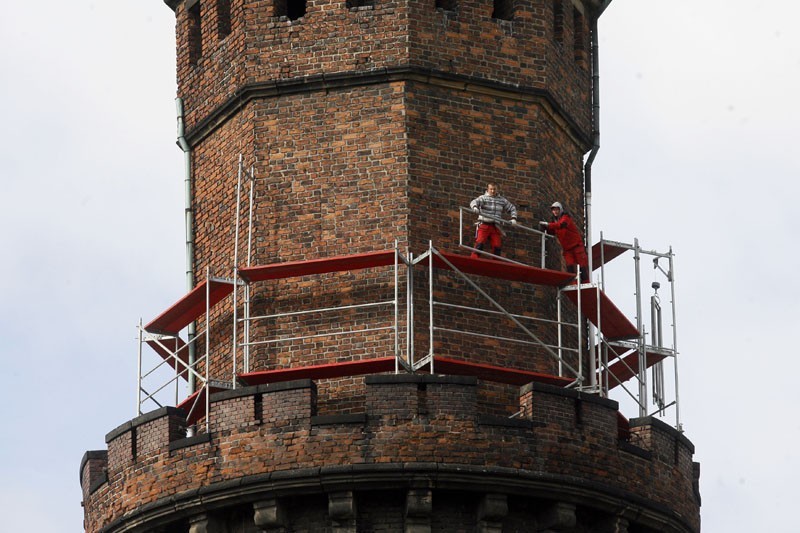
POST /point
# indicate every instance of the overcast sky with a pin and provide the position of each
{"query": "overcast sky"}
(699, 118)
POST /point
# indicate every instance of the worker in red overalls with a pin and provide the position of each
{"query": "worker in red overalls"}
(568, 235)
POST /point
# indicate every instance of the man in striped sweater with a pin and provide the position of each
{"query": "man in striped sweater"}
(490, 208)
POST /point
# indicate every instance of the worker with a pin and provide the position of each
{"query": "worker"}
(490, 208)
(568, 235)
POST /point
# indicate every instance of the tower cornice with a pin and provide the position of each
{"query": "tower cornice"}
(342, 80)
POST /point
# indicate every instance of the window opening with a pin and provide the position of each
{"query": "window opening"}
(223, 18)
(558, 21)
(291, 9)
(195, 35)
(355, 4)
(447, 5)
(503, 9)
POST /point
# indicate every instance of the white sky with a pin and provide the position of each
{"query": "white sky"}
(698, 116)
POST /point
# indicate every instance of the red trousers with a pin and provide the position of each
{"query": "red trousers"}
(491, 233)
(576, 256)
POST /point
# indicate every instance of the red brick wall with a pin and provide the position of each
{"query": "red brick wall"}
(446, 102)
(565, 437)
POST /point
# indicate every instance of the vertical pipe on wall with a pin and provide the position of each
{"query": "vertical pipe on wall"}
(189, 229)
(587, 176)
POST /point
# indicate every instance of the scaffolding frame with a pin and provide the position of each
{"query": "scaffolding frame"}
(618, 349)
(252, 275)
(167, 342)
(621, 360)
(529, 337)
(622, 349)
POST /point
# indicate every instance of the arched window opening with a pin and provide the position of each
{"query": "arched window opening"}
(447, 5)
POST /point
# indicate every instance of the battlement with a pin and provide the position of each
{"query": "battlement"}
(269, 440)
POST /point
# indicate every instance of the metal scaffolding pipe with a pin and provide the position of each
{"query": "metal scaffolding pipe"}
(188, 226)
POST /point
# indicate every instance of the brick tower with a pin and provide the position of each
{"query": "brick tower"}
(334, 140)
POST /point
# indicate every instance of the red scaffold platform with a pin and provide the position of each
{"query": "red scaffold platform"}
(610, 320)
(628, 366)
(326, 371)
(501, 269)
(603, 252)
(190, 307)
(293, 269)
(497, 374)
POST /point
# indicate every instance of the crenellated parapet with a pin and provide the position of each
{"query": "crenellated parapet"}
(421, 435)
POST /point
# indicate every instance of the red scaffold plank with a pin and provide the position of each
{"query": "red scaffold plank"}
(326, 371)
(610, 251)
(172, 345)
(612, 323)
(498, 374)
(627, 367)
(293, 269)
(502, 270)
(198, 401)
(189, 308)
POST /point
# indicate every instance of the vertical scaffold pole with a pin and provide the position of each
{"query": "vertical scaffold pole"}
(580, 327)
(592, 339)
(410, 310)
(246, 332)
(678, 425)
(560, 340)
(250, 216)
(208, 348)
(461, 226)
(396, 309)
(603, 355)
(139, 374)
(236, 269)
(639, 327)
(430, 300)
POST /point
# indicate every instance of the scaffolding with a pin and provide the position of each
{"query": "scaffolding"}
(619, 353)
(629, 359)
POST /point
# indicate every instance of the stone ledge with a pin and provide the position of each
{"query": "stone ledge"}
(189, 441)
(401, 73)
(569, 393)
(662, 426)
(143, 419)
(89, 456)
(263, 389)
